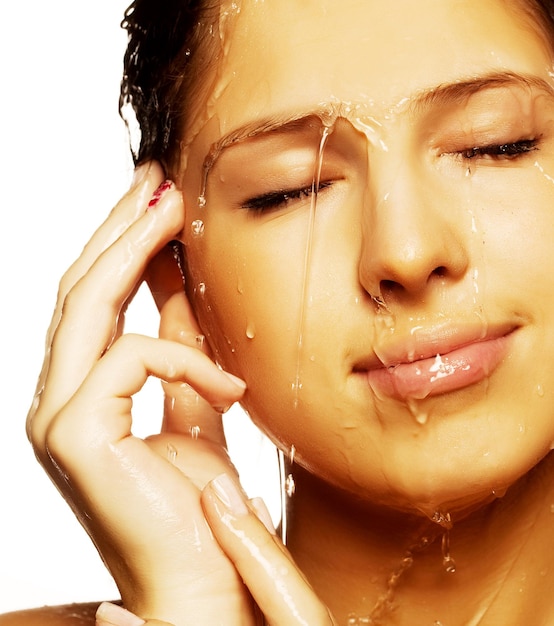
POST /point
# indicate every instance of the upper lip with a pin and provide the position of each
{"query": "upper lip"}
(426, 342)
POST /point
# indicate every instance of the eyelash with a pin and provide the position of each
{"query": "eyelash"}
(498, 152)
(278, 199)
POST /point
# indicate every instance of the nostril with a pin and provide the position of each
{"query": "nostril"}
(441, 271)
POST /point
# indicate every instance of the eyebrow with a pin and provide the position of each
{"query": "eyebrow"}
(458, 92)
(440, 95)
(281, 123)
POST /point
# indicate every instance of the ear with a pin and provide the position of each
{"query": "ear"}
(165, 275)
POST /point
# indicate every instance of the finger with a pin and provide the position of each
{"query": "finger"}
(103, 401)
(146, 179)
(278, 587)
(184, 410)
(132, 206)
(108, 474)
(92, 307)
(109, 614)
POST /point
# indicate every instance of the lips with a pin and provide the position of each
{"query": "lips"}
(439, 361)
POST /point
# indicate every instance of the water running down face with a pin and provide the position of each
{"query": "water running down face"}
(432, 236)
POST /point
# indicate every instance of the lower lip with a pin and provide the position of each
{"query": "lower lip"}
(455, 370)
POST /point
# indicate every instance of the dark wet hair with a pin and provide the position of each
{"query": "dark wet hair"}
(169, 49)
(159, 66)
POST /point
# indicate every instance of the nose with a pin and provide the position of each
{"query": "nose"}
(413, 239)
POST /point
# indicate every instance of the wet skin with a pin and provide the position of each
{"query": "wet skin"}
(437, 197)
(431, 236)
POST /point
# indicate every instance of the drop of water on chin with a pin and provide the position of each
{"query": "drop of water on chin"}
(420, 416)
(201, 201)
(444, 520)
(197, 228)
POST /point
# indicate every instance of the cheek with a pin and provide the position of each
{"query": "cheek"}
(251, 281)
(273, 307)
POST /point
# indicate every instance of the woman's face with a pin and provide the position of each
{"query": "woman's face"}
(431, 235)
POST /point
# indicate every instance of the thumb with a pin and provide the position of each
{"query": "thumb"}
(109, 614)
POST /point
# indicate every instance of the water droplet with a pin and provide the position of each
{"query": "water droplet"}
(171, 453)
(290, 486)
(442, 519)
(250, 331)
(292, 453)
(296, 387)
(200, 341)
(194, 431)
(201, 289)
(380, 303)
(197, 228)
(201, 201)
(540, 391)
(449, 564)
(421, 417)
(552, 508)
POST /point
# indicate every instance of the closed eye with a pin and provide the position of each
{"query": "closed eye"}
(280, 199)
(505, 151)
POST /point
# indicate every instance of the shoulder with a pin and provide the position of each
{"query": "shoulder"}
(66, 615)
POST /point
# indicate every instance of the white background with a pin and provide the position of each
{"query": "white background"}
(64, 162)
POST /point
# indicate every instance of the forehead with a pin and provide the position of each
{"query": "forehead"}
(281, 56)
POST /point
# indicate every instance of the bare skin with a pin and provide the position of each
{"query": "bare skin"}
(452, 229)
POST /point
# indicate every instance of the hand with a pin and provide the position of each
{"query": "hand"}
(139, 500)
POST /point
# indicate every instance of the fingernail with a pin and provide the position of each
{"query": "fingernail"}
(236, 380)
(140, 173)
(262, 513)
(109, 614)
(157, 195)
(229, 495)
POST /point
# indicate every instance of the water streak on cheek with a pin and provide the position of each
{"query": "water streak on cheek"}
(305, 296)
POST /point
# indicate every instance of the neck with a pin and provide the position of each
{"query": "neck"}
(397, 568)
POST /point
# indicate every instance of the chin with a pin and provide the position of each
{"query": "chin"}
(459, 490)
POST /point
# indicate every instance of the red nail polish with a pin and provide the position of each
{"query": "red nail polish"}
(156, 196)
